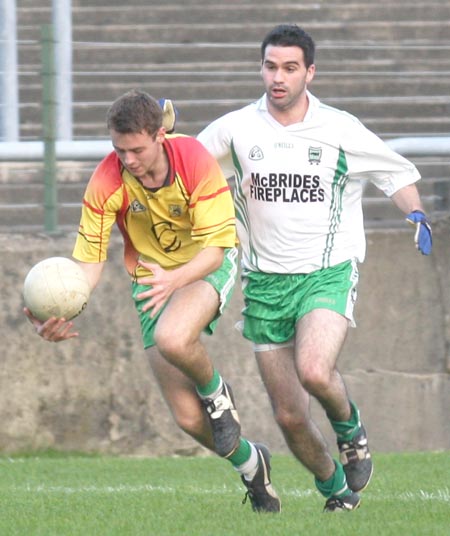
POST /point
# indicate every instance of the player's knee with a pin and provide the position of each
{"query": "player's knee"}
(315, 380)
(290, 421)
(190, 422)
(171, 343)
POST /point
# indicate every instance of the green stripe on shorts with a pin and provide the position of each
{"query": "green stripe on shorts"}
(275, 302)
(223, 280)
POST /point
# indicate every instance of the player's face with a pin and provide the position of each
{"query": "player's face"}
(285, 77)
(139, 153)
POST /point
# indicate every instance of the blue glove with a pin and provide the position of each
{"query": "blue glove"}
(422, 238)
(170, 114)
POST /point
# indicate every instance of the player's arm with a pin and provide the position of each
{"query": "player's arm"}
(93, 271)
(217, 137)
(165, 282)
(59, 329)
(407, 199)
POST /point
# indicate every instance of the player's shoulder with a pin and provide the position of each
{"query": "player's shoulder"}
(177, 139)
(337, 115)
(189, 160)
(187, 155)
(109, 170)
(183, 146)
(106, 178)
(109, 164)
(242, 114)
(240, 122)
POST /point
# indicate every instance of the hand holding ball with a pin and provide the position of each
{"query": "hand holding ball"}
(57, 287)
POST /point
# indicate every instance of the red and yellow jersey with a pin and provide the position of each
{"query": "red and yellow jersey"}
(168, 226)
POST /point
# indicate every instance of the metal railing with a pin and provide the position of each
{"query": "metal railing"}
(82, 150)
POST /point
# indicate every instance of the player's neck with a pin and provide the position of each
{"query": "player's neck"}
(156, 176)
(293, 115)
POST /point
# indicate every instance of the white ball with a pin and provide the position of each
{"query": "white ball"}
(56, 286)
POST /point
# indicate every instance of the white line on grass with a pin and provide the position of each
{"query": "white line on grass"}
(440, 495)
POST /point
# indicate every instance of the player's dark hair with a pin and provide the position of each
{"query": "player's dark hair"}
(134, 112)
(290, 35)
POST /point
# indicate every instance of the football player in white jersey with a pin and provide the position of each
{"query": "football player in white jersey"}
(299, 168)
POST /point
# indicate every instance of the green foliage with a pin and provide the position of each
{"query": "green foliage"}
(62, 495)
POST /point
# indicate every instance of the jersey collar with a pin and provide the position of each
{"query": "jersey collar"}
(312, 108)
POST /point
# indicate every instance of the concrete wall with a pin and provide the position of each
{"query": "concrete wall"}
(96, 393)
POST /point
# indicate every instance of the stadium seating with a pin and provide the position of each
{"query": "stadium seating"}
(388, 63)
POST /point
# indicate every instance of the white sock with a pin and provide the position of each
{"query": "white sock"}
(248, 469)
(215, 394)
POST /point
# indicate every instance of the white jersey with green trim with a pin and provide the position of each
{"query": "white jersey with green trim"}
(298, 192)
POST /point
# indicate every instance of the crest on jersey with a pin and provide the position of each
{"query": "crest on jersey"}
(136, 206)
(255, 153)
(315, 155)
(175, 211)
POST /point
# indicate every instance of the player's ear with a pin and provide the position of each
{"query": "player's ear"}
(311, 71)
(160, 135)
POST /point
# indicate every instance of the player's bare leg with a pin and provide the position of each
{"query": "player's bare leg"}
(177, 337)
(319, 339)
(316, 365)
(182, 399)
(252, 461)
(290, 404)
(291, 376)
(179, 328)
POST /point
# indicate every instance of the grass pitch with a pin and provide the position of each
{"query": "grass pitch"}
(60, 495)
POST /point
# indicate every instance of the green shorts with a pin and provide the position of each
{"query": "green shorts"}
(275, 302)
(223, 280)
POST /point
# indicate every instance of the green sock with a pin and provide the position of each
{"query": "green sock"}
(348, 429)
(336, 485)
(241, 454)
(211, 386)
